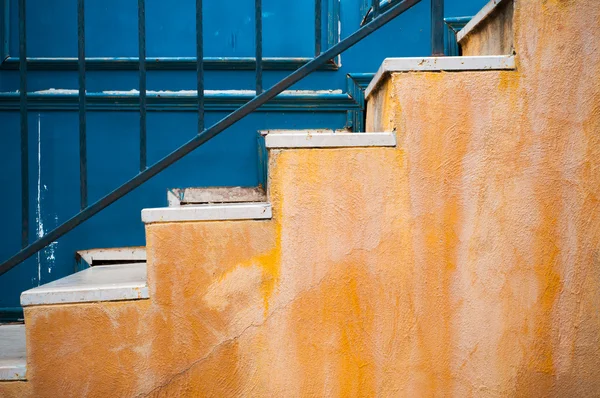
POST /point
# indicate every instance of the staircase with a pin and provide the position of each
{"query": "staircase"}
(452, 249)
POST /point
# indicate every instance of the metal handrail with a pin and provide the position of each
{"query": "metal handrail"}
(202, 137)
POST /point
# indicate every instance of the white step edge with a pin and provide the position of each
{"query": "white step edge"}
(311, 131)
(100, 283)
(208, 212)
(13, 365)
(485, 12)
(125, 254)
(329, 140)
(209, 195)
(438, 64)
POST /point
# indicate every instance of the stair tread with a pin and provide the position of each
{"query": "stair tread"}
(435, 64)
(209, 212)
(12, 352)
(194, 196)
(100, 283)
(307, 139)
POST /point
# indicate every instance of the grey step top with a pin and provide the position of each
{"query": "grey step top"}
(100, 283)
(210, 195)
(290, 139)
(209, 212)
(13, 365)
(435, 64)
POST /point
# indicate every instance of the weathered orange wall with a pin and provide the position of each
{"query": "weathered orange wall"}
(503, 177)
(465, 262)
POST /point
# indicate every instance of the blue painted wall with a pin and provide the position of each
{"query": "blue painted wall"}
(230, 159)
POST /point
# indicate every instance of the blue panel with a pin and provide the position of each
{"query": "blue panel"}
(113, 147)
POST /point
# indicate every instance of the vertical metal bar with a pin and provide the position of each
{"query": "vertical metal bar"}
(6, 32)
(375, 5)
(24, 125)
(200, 65)
(82, 104)
(142, 57)
(318, 27)
(437, 27)
(258, 19)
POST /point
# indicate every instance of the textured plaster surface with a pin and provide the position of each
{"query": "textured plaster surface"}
(493, 35)
(465, 262)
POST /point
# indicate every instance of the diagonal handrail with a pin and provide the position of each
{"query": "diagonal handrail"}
(207, 134)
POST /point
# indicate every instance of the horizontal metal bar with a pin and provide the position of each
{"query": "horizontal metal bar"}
(11, 314)
(164, 63)
(362, 79)
(206, 135)
(457, 20)
(174, 102)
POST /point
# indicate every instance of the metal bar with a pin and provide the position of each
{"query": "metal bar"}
(6, 32)
(437, 27)
(142, 57)
(318, 27)
(206, 135)
(176, 102)
(375, 5)
(24, 125)
(163, 63)
(200, 65)
(82, 107)
(258, 20)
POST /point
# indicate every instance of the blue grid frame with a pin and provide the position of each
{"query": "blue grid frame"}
(8, 62)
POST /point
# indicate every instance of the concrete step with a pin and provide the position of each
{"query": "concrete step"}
(208, 195)
(12, 352)
(438, 64)
(289, 139)
(101, 283)
(209, 212)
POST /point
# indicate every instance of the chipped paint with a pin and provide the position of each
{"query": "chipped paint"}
(45, 256)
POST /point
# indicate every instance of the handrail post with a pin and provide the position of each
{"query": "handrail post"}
(82, 104)
(318, 27)
(437, 28)
(24, 125)
(142, 56)
(200, 65)
(259, 68)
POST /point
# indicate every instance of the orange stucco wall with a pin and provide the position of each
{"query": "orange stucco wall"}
(503, 177)
(464, 262)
